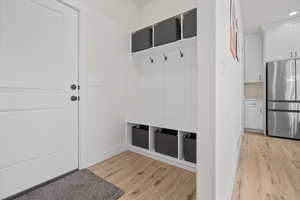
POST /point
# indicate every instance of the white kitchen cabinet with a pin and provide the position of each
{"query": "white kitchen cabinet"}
(253, 59)
(296, 39)
(278, 43)
(253, 115)
(282, 42)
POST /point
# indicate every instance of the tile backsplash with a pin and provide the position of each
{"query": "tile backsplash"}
(254, 90)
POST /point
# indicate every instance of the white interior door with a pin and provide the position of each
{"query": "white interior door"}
(39, 122)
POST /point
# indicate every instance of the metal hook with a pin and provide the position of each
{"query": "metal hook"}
(181, 53)
(165, 57)
(151, 59)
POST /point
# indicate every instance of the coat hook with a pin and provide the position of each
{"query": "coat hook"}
(181, 53)
(151, 59)
(165, 57)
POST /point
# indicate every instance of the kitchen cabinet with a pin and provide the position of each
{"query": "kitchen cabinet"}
(282, 42)
(278, 43)
(253, 59)
(296, 39)
(253, 115)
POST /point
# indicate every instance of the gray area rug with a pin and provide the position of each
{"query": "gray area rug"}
(80, 185)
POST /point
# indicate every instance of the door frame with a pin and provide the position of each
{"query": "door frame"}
(82, 77)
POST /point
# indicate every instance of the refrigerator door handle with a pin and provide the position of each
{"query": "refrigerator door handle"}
(293, 132)
(297, 71)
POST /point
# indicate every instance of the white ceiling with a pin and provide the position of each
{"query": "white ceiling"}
(142, 2)
(257, 13)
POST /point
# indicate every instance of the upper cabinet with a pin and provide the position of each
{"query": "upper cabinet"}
(253, 59)
(177, 28)
(282, 42)
(296, 38)
(278, 43)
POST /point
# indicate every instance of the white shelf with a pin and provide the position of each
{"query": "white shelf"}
(138, 122)
(178, 162)
(165, 48)
(164, 158)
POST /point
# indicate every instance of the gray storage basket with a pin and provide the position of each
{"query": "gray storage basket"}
(140, 136)
(190, 148)
(166, 142)
(142, 39)
(167, 31)
(190, 24)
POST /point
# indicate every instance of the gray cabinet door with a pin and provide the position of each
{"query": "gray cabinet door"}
(282, 124)
(282, 81)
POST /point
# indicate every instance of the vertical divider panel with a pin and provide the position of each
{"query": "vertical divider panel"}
(152, 138)
(181, 24)
(153, 38)
(180, 145)
(129, 133)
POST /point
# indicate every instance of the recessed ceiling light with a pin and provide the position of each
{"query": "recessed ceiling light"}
(293, 13)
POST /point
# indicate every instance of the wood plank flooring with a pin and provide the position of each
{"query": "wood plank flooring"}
(269, 169)
(143, 178)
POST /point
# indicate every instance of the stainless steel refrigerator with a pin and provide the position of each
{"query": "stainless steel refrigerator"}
(283, 99)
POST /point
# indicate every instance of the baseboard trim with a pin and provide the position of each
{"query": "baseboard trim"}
(169, 160)
(254, 131)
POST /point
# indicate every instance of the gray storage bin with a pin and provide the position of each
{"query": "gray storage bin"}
(140, 136)
(142, 39)
(190, 147)
(167, 31)
(166, 142)
(190, 24)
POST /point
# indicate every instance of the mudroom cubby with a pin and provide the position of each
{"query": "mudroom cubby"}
(142, 39)
(167, 145)
(166, 142)
(167, 31)
(189, 146)
(190, 23)
(163, 88)
(140, 136)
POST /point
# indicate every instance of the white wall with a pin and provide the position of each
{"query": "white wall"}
(161, 9)
(207, 101)
(228, 102)
(220, 102)
(108, 27)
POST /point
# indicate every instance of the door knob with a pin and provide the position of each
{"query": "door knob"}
(73, 87)
(74, 98)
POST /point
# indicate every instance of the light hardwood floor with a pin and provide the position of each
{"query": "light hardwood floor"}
(143, 178)
(269, 169)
